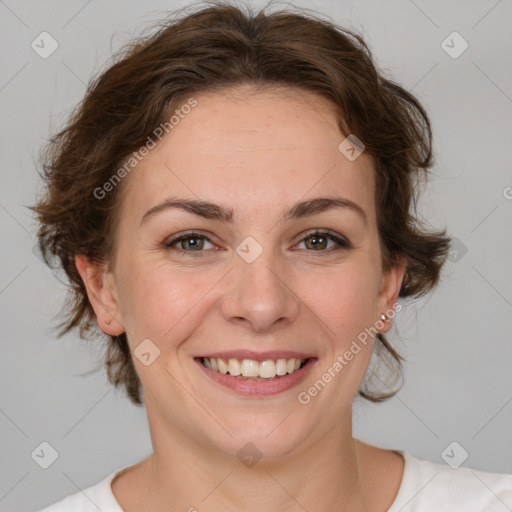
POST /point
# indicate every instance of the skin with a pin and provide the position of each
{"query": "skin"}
(257, 152)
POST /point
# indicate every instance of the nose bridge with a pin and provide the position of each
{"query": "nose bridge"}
(257, 291)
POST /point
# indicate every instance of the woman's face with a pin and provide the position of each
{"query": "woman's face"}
(257, 285)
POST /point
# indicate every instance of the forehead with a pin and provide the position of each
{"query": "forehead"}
(250, 150)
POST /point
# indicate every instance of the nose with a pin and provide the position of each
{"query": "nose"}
(259, 295)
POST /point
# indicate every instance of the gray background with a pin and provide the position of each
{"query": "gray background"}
(458, 382)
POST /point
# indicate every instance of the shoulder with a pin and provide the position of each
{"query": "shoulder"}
(96, 497)
(428, 485)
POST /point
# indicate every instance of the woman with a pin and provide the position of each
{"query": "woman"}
(232, 205)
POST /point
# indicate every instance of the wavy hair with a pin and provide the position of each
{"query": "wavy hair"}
(212, 48)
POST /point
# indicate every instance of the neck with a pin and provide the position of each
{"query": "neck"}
(322, 475)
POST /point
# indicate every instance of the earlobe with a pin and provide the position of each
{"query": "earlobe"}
(101, 295)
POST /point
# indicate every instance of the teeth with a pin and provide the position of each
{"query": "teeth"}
(267, 369)
(281, 367)
(223, 367)
(248, 368)
(234, 367)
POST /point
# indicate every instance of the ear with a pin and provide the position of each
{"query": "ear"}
(391, 282)
(102, 295)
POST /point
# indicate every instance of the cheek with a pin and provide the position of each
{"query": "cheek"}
(343, 298)
(162, 303)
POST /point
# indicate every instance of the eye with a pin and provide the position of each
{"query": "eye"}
(318, 241)
(190, 243)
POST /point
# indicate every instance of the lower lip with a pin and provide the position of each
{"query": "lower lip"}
(259, 387)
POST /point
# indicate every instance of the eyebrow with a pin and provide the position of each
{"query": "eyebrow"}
(214, 211)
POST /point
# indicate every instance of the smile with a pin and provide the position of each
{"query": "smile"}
(255, 374)
(254, 370)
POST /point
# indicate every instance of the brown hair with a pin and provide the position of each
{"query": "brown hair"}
(215, 47)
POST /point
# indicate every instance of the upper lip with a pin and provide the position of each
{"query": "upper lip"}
(257, 356)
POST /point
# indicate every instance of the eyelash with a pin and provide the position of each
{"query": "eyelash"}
(342, 243)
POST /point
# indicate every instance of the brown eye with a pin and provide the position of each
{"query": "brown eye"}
(197, 244)
(319, 241)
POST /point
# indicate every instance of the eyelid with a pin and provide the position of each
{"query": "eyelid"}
(184, 236)
(338, 237)
(342, 242)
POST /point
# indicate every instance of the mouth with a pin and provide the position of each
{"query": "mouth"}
(257, 375)
(249, 369)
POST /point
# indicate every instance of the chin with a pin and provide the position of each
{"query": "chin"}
(260, 437)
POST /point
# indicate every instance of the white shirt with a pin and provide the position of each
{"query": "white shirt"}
(426, 487)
